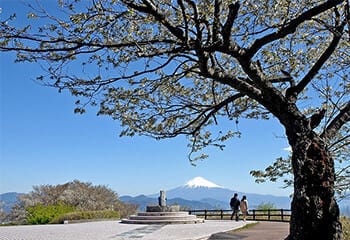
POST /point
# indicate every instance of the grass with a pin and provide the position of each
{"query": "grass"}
(346, 227)
(245, 227)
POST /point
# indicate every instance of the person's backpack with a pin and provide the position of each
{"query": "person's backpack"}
(232, 202)
(237, 204)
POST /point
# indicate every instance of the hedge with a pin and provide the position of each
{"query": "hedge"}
(85, 215)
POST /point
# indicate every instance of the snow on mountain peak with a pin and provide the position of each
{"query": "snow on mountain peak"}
(201, 182)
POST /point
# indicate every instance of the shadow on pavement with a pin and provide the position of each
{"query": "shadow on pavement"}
(261, 231)
(225, 236)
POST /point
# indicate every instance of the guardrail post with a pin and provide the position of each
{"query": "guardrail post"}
(269, 213)
(282, 214)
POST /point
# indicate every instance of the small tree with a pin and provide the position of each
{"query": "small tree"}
(2, 212)
(80, 195)
(47, 202)
(167, 68)
(266, 206)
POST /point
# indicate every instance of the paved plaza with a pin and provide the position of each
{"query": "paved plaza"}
(109, 230)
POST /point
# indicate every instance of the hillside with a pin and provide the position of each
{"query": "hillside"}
(8, 200)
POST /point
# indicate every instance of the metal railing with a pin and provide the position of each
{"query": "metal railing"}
(278, 215)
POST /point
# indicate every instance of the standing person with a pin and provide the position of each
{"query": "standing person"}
(234, 203)
(244, 207)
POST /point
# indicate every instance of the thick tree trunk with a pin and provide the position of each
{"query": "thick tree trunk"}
(315, 213)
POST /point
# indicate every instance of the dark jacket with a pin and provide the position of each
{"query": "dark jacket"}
(234, 203)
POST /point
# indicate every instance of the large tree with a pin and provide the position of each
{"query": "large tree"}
(167, 68)
(339, 148)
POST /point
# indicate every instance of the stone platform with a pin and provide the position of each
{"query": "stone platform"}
(157, 208)
(162, 214)
(114, 230)
(162, 218)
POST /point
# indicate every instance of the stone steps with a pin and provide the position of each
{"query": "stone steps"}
(162, 218)
(163, 214)
(162, 221)
(136, 217)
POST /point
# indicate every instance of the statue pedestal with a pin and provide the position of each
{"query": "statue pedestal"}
(162, 214)
(157, 208)
(162, 218)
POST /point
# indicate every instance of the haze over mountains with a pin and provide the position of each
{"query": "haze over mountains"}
(197, 193)
(200, 193)
(8, 200)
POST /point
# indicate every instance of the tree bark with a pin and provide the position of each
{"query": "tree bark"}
(315, 213)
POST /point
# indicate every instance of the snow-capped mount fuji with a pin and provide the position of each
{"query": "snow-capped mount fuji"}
(202, 190)
(198, 189)
(201, 182)
(199, 193)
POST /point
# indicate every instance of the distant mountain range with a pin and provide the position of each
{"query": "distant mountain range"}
(143, 201)
(199, 193)
(8, 200)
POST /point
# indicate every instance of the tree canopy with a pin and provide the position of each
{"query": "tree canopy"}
(168, 68)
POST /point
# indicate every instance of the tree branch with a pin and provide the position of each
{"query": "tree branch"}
(290, 27)
(226, 29)
(196, 21)
(294, 91)
(152, 10)
(216, 24)
(78, 44)
(183, 10)
(342, 118)
(213, 110)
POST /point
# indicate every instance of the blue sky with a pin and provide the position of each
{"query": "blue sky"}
(43, 142)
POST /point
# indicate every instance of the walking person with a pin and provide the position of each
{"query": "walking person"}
(244, 207)
(234, 203)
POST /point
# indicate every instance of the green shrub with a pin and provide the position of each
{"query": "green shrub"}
(85, 215)
(125, 209)
(266, 206)
(40, 214)
(346, 227)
